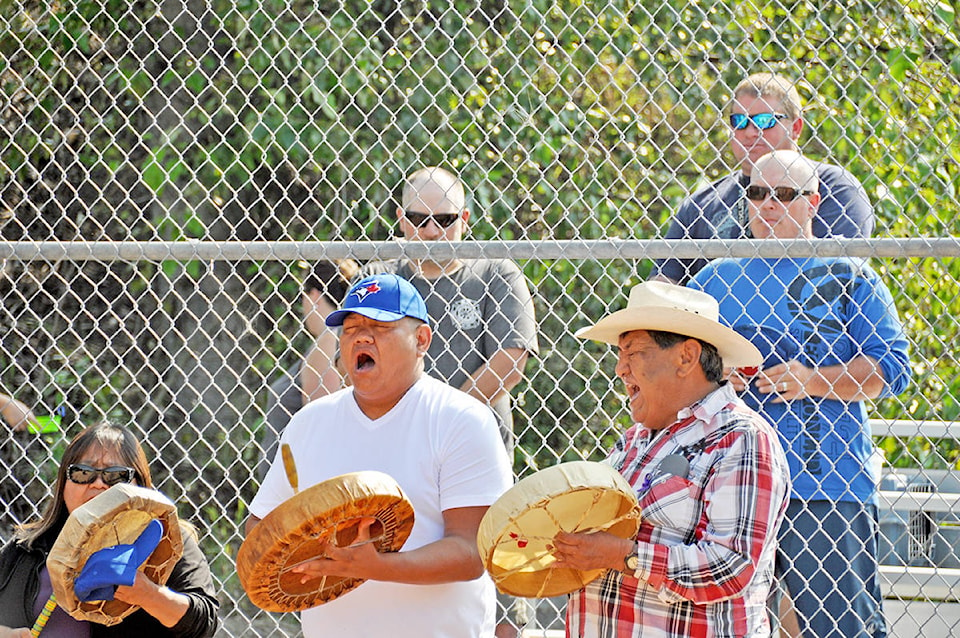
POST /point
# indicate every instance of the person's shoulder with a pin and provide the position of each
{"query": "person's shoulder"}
(431, 386)
(13, 552)
(831, 170)
(8, 549)
(481, 267)
(705, 200)
(718, 187)
(444, 397)
(328, 400)
(190, 536)
(741, 418)
(718, 269)
(315, 411)
(724, 263)
(393, 266)
(830, 174)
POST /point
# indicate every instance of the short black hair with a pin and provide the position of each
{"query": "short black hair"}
(710, 361)
(332, 278)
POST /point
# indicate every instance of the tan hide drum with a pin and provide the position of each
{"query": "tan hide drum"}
(298, 530)
(115, 517)
(580, 496)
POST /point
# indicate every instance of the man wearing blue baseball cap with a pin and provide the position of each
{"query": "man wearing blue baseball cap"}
(442, 447)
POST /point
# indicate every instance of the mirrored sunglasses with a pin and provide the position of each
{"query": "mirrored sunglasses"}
(83, 474)
(443, 220)
(779, 193)
(762, 121)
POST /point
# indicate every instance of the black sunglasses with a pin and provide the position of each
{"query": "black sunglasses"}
(83, 474)
(443, 220)
(779, 193)
(763, 121)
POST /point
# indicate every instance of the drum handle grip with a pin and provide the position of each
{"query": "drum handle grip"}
(44, 616)
(289, 465)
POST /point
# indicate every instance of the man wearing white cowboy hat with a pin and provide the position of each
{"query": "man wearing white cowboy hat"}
(709, 472)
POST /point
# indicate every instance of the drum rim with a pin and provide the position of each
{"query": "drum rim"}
(250, 561)
(579, 476)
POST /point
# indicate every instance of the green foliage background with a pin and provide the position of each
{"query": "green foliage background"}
(270, 120)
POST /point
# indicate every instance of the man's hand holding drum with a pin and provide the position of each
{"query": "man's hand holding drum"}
(585, 551)
(359, 559)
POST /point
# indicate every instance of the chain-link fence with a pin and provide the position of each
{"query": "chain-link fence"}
(170, 172)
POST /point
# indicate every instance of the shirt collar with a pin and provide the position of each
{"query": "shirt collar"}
(707, 408)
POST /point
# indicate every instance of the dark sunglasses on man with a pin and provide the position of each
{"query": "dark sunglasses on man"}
(783, 194)
(83, 474)
(763, 121)
(443, 220)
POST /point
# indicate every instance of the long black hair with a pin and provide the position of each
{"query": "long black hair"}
(105, 436)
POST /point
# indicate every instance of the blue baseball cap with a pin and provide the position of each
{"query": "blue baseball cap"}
(383, 297)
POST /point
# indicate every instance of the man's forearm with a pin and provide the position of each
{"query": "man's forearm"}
(859, 379)
(498, 376)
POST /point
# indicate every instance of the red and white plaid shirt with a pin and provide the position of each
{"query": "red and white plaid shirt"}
(706, 541)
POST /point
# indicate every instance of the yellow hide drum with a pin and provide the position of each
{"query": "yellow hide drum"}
(115, 517)
(298, 530)
(580, 496)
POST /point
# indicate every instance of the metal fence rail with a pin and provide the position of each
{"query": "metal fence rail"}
(634, 249)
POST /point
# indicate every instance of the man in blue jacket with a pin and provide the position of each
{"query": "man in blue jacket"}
(831, 340)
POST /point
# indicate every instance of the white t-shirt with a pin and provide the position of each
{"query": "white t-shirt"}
(444, 449)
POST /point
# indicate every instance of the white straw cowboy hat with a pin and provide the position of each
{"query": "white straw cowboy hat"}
(656, 305)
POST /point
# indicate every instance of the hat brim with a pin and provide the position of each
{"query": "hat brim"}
(735, 350)
(335, 318)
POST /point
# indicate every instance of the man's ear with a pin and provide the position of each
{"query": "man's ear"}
(424, 337)
(796, 129)
(403, 228)
(688, 357)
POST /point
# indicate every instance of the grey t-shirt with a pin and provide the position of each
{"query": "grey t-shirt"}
(482, 307)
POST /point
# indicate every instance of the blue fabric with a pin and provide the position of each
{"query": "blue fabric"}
(827, 559)
(719, 211)
(117, 565)
(382, 297)
(821, 312)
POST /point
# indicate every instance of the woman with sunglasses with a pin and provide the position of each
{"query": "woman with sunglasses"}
(100, 456)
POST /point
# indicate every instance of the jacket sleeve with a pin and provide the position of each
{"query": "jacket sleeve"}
(18, 584)
(875, 327)
(191, 577)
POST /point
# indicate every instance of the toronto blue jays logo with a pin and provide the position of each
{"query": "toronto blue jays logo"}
(367, 289)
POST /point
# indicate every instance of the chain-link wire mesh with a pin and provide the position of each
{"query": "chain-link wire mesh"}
(170, 172)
